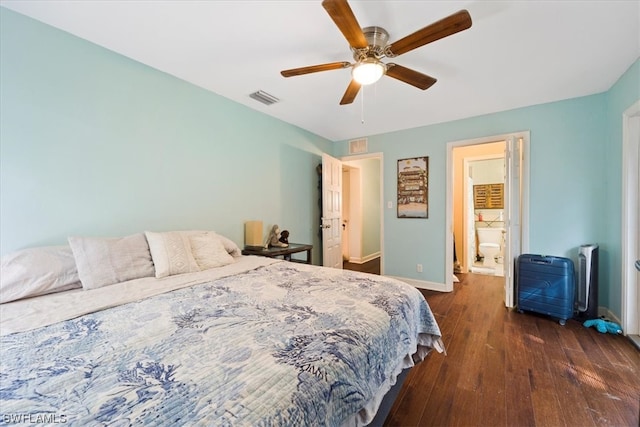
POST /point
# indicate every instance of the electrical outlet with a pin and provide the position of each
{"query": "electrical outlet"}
(419, 268)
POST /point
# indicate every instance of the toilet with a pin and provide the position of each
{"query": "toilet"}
(489, 244)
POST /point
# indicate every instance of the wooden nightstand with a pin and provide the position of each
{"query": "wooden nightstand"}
(274, 252)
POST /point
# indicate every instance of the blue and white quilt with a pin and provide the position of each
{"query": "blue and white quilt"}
(281, 345)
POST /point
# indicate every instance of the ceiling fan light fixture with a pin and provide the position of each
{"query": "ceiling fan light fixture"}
(370, 44)
(368, 71)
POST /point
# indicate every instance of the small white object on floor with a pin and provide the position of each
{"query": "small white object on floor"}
(455, 279)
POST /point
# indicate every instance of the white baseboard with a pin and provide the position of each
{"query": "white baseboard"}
(604, 311)
(422, 284)
(608, 314)
(364, 259)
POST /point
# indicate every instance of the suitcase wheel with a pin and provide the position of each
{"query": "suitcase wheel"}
(563, 322)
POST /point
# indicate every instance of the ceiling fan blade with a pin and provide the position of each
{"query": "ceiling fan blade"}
(345, 20)
(452, 24)
(314, 69)
(407, 75)
(351, 93)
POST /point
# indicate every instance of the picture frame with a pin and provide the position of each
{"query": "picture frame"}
(413, 187)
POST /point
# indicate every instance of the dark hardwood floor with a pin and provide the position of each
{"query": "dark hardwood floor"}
(504, 368)
(372, 266)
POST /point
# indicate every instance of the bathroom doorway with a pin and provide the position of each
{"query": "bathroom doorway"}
(482, 248)
(462, 217)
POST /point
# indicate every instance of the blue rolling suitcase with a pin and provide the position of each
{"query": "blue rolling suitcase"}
(546, 285)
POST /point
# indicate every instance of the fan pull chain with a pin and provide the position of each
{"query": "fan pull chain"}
(362, 106)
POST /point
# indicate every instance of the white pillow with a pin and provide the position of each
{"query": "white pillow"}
(106, 261)
(229, 245)
(209, 251)
(171, 253)
(37, 271)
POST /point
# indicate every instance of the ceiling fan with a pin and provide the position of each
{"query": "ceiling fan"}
(370, 44)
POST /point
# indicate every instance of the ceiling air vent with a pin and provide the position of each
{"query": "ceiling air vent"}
(264, 97)
(358, 146)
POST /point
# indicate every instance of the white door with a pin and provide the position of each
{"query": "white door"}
(331, 221)
(513, 214)
(631, 222)
(637, 256)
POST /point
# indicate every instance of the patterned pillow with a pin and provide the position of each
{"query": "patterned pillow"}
(106, 261)
(171, 253)
(209, 251)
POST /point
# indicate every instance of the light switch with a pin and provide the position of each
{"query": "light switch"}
(389, 204)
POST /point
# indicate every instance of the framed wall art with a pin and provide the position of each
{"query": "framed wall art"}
(413, 188)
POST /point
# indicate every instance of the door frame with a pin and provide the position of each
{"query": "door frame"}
(524, 204)
(380, 157)
(630, 210)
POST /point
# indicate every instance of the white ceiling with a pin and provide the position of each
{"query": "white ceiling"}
(517, 53)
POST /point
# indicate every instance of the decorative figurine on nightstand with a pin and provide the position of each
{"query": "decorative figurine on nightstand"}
(272, 240)
(284, 237)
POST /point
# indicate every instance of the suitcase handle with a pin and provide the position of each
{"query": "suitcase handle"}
(542, 260)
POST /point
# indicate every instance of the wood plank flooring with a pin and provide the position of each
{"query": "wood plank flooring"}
(372, 267)
(504, 368)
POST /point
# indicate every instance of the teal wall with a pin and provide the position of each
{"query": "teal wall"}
(566, 171)
(574, 186)
(93, 143)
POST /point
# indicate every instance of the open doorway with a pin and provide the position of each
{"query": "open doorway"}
(478, 208)
(462, 218)
(362, 220)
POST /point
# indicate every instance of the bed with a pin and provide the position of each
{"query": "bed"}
(251, 342)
